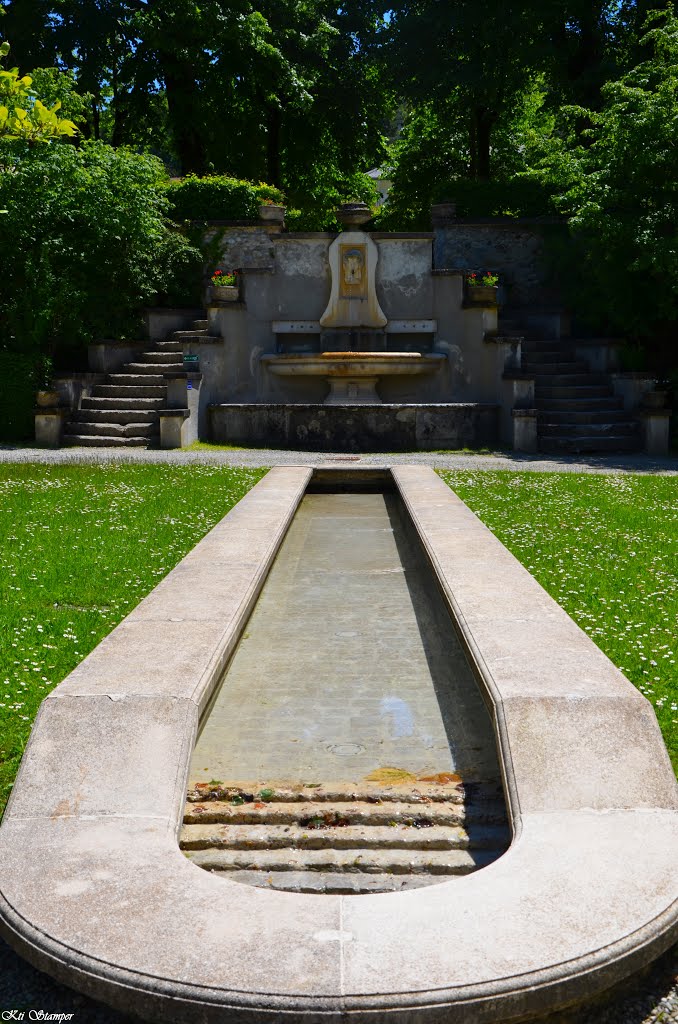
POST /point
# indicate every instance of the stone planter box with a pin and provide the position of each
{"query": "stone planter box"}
(225, 293)
(481, 295)
(654, 399)
(272, 213)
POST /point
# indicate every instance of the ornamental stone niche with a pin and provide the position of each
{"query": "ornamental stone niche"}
(353, 258)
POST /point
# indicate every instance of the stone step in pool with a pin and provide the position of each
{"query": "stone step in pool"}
(350, 841)
(351, 701)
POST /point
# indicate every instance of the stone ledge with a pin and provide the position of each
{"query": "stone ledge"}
(181, 414)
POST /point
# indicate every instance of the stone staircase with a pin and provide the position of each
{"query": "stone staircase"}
(123, 411)
(577, 408)
(345, 838)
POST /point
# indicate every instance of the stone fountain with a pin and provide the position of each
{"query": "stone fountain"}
(348, 341)
(353, 356)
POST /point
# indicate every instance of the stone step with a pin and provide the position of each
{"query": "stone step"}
(445, 787)
(578, 391)
(200, 325)
(357, 813)
(609, 443)
(393, 862)
(536, 344)
(129, 391)
(584, 417)
(122, 404)
(98, 429)
(90, 441)
(196, 336)
(169, 346)
(115, 416)
(574, 430)
(144, 380)
(331, 883)
(553, 367)
(421, 835)
(546, 357)
(166, 357)
(577, 404)
(152, 369)
(567, 380)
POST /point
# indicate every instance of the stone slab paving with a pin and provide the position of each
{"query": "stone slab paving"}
(333, 682)
(253, 457)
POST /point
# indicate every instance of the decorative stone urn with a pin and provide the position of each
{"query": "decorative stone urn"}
(48, 399)
(272, 213)
(353, 215)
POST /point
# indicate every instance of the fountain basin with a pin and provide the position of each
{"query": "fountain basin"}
(353, 376)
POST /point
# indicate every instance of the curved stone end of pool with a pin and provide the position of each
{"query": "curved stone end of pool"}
(95, 891)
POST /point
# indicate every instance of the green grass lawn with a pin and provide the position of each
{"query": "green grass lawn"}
(79, 547)
(606, 548)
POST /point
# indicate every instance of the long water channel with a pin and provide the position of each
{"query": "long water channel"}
(347, 720)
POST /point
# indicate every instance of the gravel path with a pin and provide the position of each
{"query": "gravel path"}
(276, 457)
(652, 999)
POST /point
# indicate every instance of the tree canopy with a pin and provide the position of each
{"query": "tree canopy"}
(521, 109)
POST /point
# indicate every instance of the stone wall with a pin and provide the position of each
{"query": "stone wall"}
(356, 428)
(240, 245)
(516, 249)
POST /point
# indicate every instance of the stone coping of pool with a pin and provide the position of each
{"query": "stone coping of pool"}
(96, 892)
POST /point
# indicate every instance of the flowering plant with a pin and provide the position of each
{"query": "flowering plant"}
(225, 278)
(485, 278)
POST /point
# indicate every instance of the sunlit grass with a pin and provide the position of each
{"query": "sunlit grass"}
(606, 548)
(79, 547)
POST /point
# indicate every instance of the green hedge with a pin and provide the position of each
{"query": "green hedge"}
(18, 375)
(517, 197)
(217, 197)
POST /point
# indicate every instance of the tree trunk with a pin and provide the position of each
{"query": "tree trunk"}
(480, 137)
(183, 104)
(96, 119)
(273, 125)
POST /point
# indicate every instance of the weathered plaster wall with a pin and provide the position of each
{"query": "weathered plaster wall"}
(404, 286)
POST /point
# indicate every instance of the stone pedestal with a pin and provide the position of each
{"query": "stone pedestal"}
(49, 426)
(524, 430)
(175, 428)
(179, 422)
(631, 387)
(655, 426)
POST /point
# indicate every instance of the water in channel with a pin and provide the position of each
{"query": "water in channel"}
(348, 687)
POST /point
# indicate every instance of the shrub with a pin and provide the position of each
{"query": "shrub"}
(89, 245)
(20, 381)
(217, 197)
